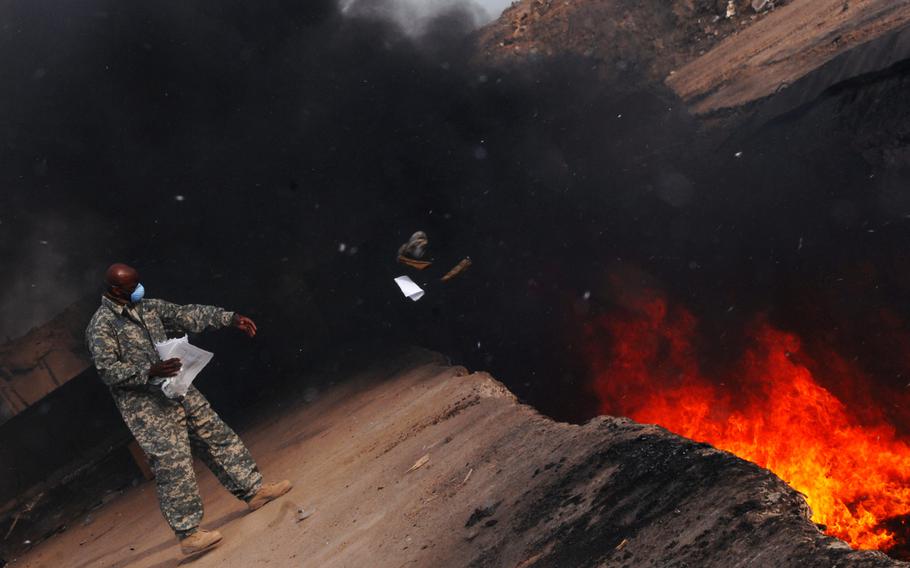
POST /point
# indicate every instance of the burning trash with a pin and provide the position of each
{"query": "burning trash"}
(772, 409)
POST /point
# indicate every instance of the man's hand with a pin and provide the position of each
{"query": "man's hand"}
(168, 368)
(244, 324)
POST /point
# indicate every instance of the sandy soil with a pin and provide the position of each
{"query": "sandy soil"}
(499, 485)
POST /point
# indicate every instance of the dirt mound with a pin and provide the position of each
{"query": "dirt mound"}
(420, 464)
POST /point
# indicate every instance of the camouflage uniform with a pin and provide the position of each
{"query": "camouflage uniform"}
(121, 340)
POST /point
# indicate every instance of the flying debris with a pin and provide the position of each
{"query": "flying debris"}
(409, 288)
(463, 265)
(412, 252)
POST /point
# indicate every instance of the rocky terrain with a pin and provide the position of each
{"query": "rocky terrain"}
(711, 58)
(629, 39)
(790, 44)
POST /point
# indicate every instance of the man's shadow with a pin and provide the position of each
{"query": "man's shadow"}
(226, 518)
(171, 562)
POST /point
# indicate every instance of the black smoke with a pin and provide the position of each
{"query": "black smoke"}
(272, 158)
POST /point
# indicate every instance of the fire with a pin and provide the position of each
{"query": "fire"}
(853, 467)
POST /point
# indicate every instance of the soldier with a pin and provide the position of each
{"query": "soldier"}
(121, 338)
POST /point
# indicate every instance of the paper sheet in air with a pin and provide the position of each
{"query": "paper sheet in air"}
(193, 359)
(408, 288)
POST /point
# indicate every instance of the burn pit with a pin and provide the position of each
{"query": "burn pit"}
(773, 407)
(777, 330)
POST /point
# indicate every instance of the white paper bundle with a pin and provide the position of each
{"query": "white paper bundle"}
(192, 358)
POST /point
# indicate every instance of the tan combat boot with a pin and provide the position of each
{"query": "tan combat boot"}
(269, 492)
(199, 541)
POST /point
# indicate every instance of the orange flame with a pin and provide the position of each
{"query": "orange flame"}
(855, 473)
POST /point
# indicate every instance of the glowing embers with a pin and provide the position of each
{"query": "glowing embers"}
(770, 409)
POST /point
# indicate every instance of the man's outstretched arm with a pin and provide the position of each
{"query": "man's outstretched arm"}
(195, 318)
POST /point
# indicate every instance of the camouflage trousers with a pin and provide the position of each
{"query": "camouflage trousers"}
(170, 432)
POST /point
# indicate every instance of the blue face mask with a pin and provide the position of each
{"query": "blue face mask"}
(138, 293)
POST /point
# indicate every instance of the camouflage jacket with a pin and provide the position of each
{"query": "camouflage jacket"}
(122, 339)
